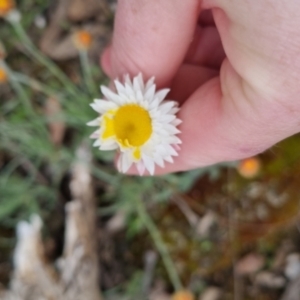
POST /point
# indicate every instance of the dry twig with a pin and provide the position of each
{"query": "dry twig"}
(77, 277)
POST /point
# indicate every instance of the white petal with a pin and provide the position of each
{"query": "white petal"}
(120, 88)
(138, 83)
(126, 162)
(161, 150)
(109, 142)
(127, 81)
(140, 167)
(177, 147)
(163, 133)
(176, 140)
(95, 134)
(174, 110)
(162, 94)
(145, 104)
(165, 129)
(169, 159)
(148, 148)
(167, 118)
(97, 108)
(139, 97)
(176, 122)
(171, 129)
(110, 146)
(129, 91)
(171, 150)
(154, 104)
(173, 140)
(97, 143)
(159, 161)
(149, 83)
(95, 122)
(141, 81)
(149, 95)
(167, 106)
(149, 164)
(102, 106)
(110, 95)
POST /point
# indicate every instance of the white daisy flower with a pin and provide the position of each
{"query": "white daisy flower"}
(139, 123)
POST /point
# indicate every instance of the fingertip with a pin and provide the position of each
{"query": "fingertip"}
(152, 37)
(105, 61)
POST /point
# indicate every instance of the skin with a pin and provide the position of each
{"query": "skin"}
(234, 66)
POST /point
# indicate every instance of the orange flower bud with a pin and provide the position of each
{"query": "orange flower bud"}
(183, 295)
(3, 76)
(6, 6)
(249, 167)
(82, 39)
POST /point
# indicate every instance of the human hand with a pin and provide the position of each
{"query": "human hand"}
(233, 107)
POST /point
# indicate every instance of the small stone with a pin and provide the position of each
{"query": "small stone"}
(292, 267)
(116, 223)
(211, 293)
(270, 280)
(40, 21)
(249, 264)
(206, 223)
(276, 200)
(159, 296)
(262, 212)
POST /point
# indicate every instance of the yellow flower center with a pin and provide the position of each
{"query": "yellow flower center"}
(133, 126)
(6, 6)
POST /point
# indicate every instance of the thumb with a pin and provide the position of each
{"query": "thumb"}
(152, 37)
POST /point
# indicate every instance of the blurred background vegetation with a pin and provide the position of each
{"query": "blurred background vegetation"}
(231, 228)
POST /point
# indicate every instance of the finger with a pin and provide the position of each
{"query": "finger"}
(254, 103)
(152, 37)
(187, 81)
(206, 18)
(251, 107)
(217, 128)
(206, 48)
(105, 61)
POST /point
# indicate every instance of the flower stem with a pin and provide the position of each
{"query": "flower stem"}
(34, 84)
(43, 60)
(160, 245)
(18, 89)
(25, 100)
(87, 72)
(104, 175)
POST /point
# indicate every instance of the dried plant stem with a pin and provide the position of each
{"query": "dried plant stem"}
(160, 245)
